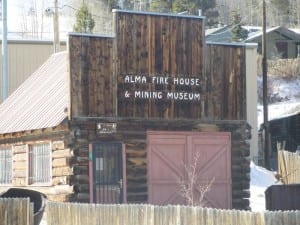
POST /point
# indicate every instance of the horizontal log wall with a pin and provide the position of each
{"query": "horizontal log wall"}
(80, 180)
(58, 189)
(133, 133)
(167, 47)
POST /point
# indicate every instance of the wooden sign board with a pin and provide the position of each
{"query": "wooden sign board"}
(156, 66)
(160, 69)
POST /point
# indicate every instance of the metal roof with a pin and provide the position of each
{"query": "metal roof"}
(224, 34)
(289, 34)
(157, 13)
(41, 101)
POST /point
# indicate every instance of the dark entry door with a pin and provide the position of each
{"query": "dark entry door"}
(282, 49)
(107, 173)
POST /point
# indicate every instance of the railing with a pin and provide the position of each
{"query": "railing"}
(289, 167)
(16, 211)
(92, 214)
(20, 212)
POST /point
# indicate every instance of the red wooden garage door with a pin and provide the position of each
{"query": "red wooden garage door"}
(169, 153)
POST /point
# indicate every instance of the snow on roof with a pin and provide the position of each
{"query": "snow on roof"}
(296, 30)
(287, 90)
(291, 111)
(258, 33)
(287, 32)
(223, 34)
(214, 30)
(279, 111)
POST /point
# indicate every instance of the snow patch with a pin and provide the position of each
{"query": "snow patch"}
(283, 97)
(261, 179)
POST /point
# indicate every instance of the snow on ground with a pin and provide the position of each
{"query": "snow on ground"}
(288, 94)
(261, 179)
(284, 97)
(284, 101)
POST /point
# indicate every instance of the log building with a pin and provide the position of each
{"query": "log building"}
(123, 118)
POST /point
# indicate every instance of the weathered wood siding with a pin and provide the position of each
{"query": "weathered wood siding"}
(133, 133)
(288, 167)
(226, 82)
(144, 45)
(77, 214)
(161, 46)
(167, 47)
(149, 45)
(15, 211)
(92, 84)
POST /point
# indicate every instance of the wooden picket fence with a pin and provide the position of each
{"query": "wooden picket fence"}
(93, 214)
(16, 211)
(289, 167)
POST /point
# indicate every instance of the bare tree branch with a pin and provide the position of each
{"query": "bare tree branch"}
(192, 188)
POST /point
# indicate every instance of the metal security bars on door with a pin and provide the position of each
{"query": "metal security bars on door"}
(106, 168)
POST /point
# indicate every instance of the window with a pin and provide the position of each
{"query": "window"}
(282, 49)
(5, 165)
(39, 163)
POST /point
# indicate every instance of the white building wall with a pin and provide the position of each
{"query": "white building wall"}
(24, 58)
(251, 92)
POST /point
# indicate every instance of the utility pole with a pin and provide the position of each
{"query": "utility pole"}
(56, 28)
(4, 51)
(265, 89)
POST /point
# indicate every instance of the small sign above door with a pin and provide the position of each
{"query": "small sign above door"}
(106, 128)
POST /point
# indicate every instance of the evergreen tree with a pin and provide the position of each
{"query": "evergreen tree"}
(193, 6)
(207, 8)
(212, 17)
(84, 20)
(142, 5)
(183, 6)
(112, 4)
(164, 6)
(279, 12)
(238, 33)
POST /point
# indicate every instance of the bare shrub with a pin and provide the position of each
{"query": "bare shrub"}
(192, 187)
(280, 67)
(284, 67)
